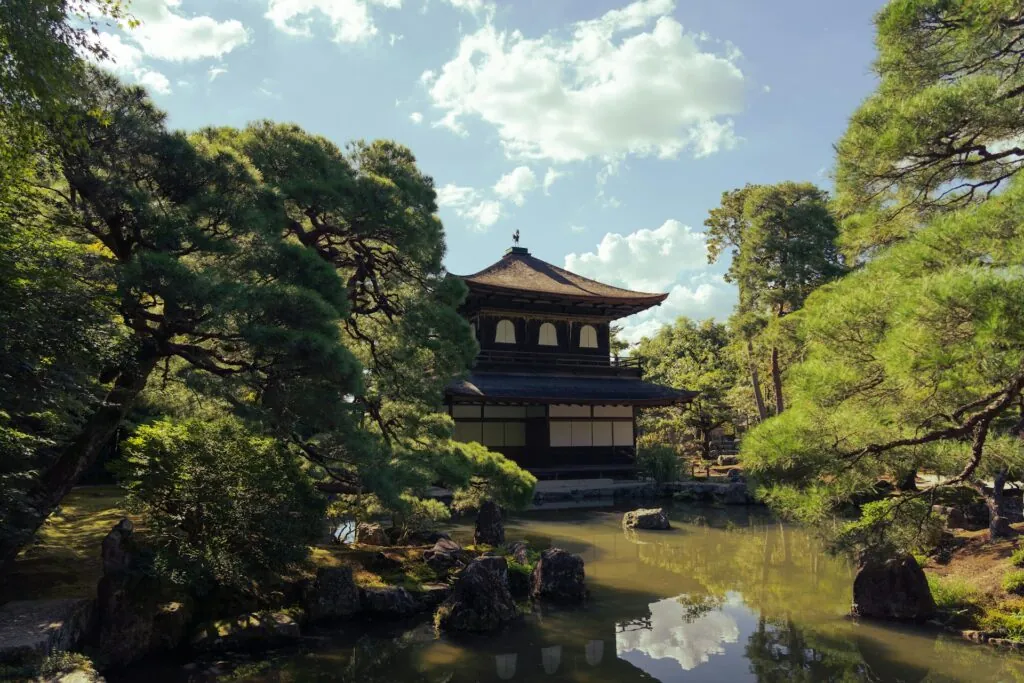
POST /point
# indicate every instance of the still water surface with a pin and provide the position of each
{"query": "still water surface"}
(728, 595)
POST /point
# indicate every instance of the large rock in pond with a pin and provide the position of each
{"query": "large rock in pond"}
(257, 631)
(332, 595)
(371, 533)
(892, 589)
(32, 629)
(558, 577)
(391, 602)
(480, 600)
(490, 530)
(444, 556)
(652, 518)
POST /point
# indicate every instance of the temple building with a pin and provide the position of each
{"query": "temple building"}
(546, 390)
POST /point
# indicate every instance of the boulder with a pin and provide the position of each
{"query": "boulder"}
(371, 533)
(260, 630)
(427, 537)
(431, 595)
(734, 494)
(332, 595)
(892, 589)
(118, 549)
(955, 518)
(390, 602)
(125, 612)
(558, 577)
(726, 460)
(519, 583)
(490, 530)
(384, 562)
(652, 518)
(520, 552)
(444, 556)
(480, 600)
(32, 629)
(83, 675)
(169, 625)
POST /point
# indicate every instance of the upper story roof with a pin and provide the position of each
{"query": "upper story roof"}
(520, 275)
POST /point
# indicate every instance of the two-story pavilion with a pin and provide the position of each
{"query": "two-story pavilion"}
(545, 390)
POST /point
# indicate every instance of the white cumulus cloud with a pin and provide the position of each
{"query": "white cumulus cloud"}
(416, 117)
(701, 296)
(350, 20)
(216, 71)
(629, 82)
(467, 203)
(514, 185)
(164, 33)
(645, 260)
(128, 61)
(550, 176)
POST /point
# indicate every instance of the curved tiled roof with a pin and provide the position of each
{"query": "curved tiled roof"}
(518, 271)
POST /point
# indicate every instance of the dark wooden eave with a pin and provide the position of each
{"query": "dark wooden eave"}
(524, 388)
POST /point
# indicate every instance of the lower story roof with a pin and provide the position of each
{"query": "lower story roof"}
(495, 387)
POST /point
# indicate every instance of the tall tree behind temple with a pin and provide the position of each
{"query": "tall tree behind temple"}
(782, 239)
(943, 129)
(694, 356)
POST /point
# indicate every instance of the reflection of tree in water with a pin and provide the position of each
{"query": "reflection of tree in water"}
(779, 651)
(777, 569)
(696, 606)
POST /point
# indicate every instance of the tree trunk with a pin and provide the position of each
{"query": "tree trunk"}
(908, 482)
(55, 483)
(762, 411)
(780, 405)
(998, 522)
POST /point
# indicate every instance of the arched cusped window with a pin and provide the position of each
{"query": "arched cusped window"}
(588, 337)
(506, 333)
(548, 335)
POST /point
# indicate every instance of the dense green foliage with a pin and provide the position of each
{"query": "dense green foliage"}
(260, 273)
(659, 462)
(693, 356)
(223, 508)
(913, 362)
(782, 240)
(943, 128)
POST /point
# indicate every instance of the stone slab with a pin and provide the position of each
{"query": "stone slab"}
(32, 629)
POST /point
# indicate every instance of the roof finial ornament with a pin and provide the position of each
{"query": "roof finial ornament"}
(515, 237)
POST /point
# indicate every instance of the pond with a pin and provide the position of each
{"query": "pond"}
(729, 595)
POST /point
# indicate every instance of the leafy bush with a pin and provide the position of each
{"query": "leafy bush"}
(223, 507)
(1017, 558)
(954, 595)
(660, 463)
(1013, 582)
(1010, 624)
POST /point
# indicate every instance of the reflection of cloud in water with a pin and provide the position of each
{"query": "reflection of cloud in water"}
(670, 637)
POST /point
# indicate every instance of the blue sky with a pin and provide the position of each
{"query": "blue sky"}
(602, 130)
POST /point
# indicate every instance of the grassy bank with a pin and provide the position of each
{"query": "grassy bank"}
(64, 560)
(979, 585)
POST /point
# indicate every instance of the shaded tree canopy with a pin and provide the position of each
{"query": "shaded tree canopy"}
(284, 281)
(942, 130)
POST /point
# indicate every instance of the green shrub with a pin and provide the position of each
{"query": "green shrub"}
(1017, 558)
(60, 663)
(954, 595)
(1010, 624)
(223, 507)
(660, 463)
(1013, 582)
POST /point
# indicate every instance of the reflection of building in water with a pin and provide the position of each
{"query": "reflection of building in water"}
(668, 634)
(506, 666)
(550, 659)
